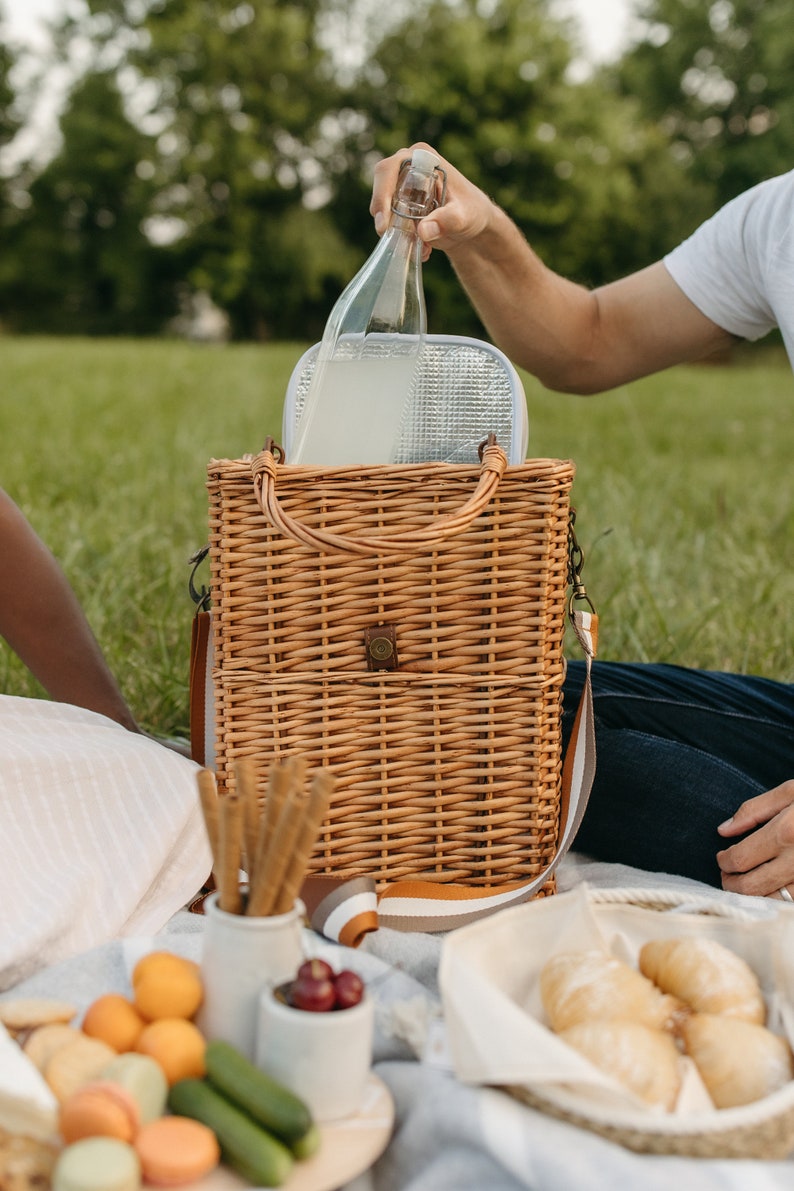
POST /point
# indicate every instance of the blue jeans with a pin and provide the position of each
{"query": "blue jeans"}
(677, 751)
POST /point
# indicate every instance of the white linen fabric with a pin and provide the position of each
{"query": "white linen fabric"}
(738, 267)
(101, 834)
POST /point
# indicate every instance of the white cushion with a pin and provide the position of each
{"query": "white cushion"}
(101, 834)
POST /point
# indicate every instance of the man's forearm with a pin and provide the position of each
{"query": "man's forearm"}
(543, 322)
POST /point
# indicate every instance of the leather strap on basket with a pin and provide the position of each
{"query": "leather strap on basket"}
(346, 911)
(264, 468)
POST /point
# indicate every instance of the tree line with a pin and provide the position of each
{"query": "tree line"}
(225, 147)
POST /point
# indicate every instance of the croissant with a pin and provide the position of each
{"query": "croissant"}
(739, 1061)
(704, 974)
(585, 985)
(643, 1059)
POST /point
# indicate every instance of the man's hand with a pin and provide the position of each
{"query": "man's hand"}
(466, 212)
(763, 863)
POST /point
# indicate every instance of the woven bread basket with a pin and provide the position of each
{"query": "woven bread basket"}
(763, 1129)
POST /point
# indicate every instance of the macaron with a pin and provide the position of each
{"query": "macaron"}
(145, 1078)
(176, 1150)
(99, 1109)
(97, 1164)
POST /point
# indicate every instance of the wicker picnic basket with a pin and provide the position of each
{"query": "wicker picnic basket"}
(403, 626)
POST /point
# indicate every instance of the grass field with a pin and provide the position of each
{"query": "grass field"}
(683, 495)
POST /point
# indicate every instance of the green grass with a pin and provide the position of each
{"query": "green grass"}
(105, 446)
(684, 502)
(682, 491)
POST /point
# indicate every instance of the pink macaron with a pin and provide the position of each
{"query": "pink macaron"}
(99, 1109)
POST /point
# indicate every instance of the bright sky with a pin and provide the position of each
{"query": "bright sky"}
(603, 21)
(23, 16)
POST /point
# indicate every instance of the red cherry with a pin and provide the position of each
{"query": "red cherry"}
(349, 989)
(314, 995)
(318, 969)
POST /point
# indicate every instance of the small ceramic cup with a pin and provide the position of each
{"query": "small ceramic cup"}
(241, 956)
(324, 1058)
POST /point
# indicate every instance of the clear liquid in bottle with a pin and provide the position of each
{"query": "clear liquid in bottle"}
(366, 361)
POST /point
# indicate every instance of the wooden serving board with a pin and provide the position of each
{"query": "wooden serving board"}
(347, 1148)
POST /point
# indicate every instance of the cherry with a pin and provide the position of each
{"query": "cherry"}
(349, 989)
(318, 989)
(314, 993)
(316, 968)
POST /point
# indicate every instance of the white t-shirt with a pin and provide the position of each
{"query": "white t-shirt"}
(738, 267)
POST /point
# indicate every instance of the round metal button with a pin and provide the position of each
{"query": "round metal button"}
(381, 648)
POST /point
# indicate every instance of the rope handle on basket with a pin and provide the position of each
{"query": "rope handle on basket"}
(264, 468)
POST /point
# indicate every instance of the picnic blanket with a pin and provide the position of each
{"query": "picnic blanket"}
(450, 1137)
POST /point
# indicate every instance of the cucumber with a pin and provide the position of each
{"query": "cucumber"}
(245, 1146)
(272, 1105)
(308, 1145)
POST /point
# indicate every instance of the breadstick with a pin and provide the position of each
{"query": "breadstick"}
(278, 784)
(245, 774)
(323, 784)
(270, 873)
(231, 833)
(208, 793)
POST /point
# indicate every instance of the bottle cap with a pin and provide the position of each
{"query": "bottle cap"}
(423, 161)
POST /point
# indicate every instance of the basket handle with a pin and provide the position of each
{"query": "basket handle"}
(264, 468)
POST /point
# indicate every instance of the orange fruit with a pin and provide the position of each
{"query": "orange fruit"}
(166, 985)
(161, 961)
(177, 1045)
(113, 1019)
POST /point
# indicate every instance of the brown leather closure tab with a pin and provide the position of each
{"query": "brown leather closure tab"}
(380, 641)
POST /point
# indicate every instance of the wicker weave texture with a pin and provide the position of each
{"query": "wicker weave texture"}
(448, 768)
(767, 1134)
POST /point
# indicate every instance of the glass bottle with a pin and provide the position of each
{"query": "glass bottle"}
(365, 362)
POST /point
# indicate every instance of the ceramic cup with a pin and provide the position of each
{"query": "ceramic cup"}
(324, 1058)
(242, 955)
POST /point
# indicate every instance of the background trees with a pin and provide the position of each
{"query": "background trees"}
(573, 163)
(225, 147)
(84, 262)
(716, 79)
(8, 120)
(9, 125)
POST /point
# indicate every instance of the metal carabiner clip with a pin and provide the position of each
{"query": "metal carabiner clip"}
(575, 568)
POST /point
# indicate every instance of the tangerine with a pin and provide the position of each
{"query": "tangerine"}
(113, 1019)
(177, 1045)
(161, 961)
(166, 985)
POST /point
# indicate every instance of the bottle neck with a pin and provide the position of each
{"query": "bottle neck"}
(415, 195)
(403, 225)
(399, 303)
(401, 238)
